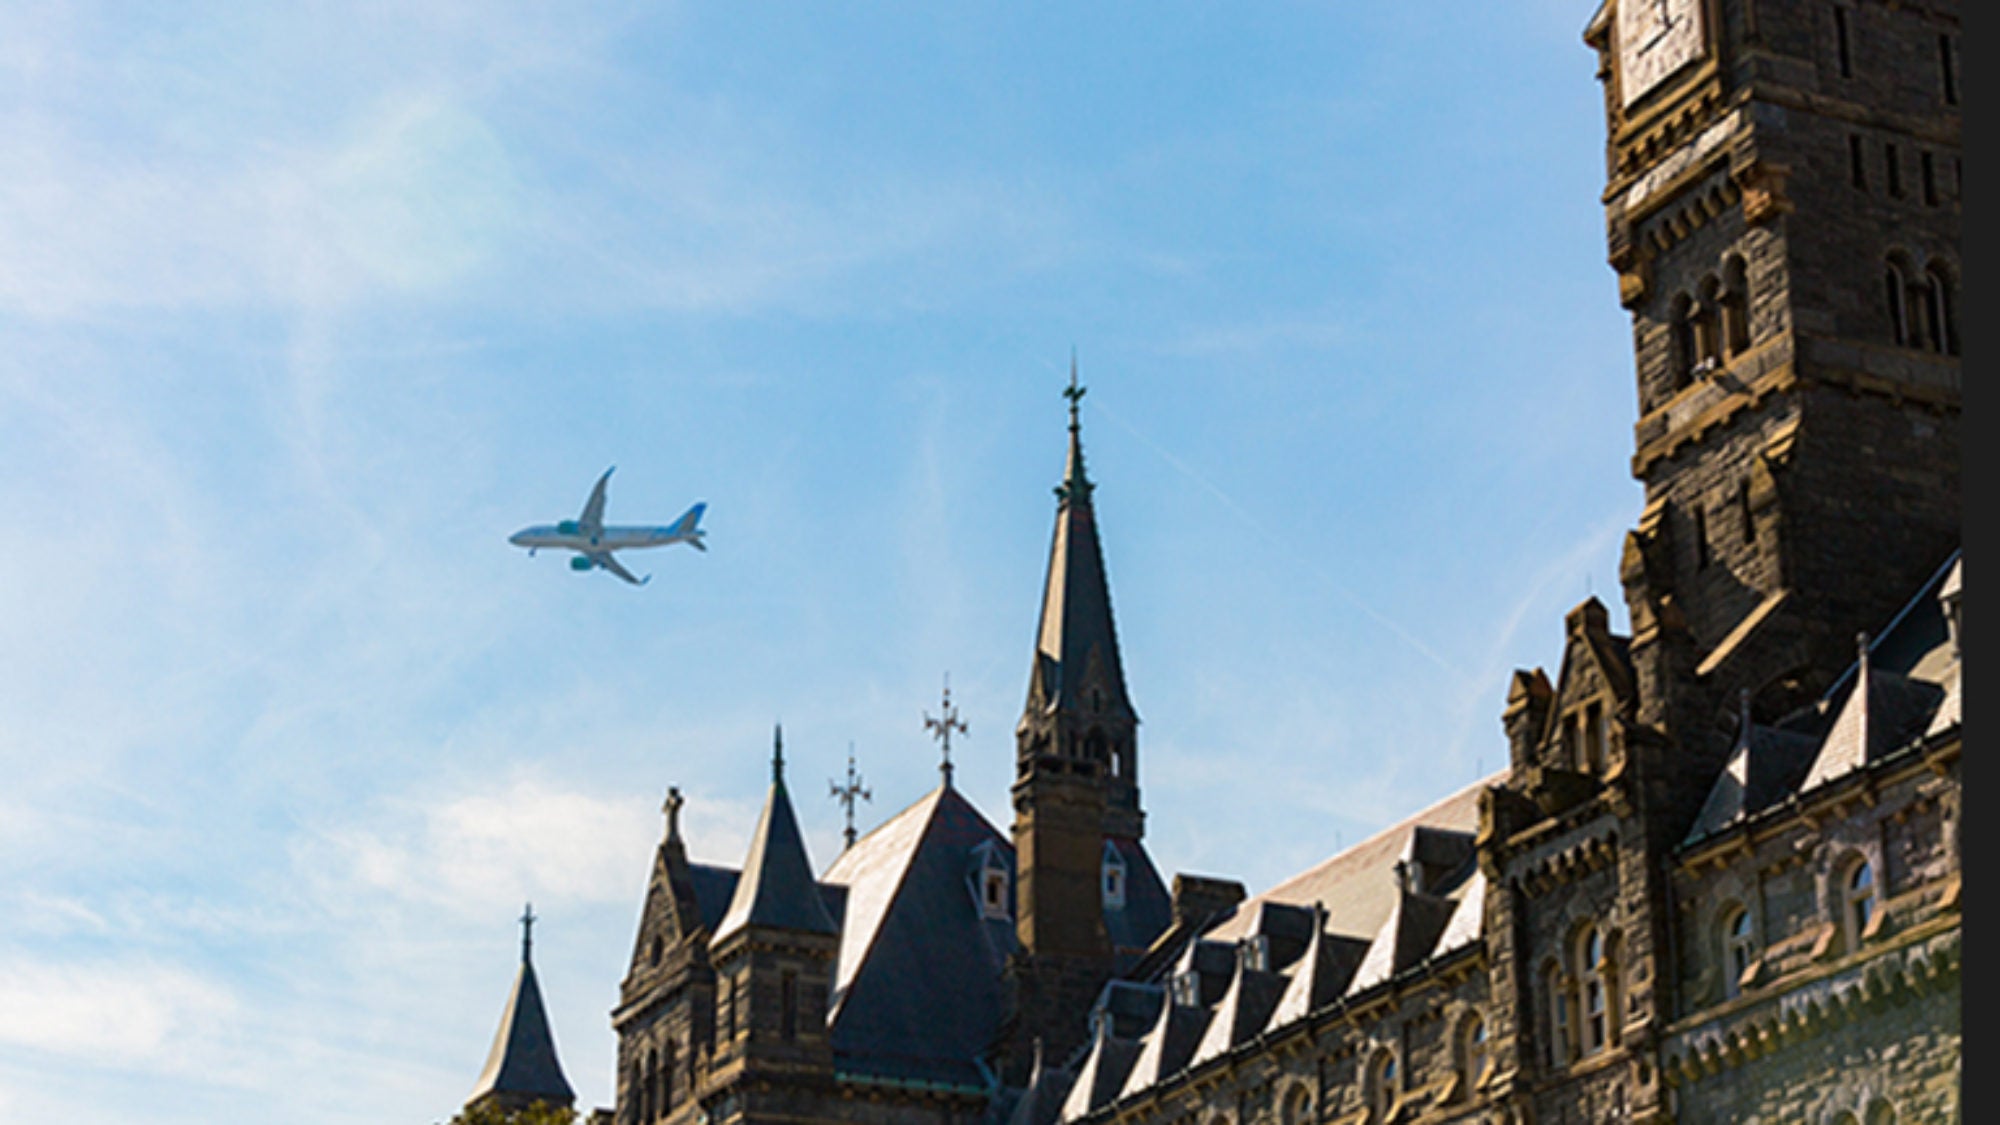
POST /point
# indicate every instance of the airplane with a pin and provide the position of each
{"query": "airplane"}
(593, 542)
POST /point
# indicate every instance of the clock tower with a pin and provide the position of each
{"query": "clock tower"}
(1782, 209)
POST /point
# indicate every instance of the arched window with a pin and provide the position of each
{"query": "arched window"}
(659, 950)
(1735, 306)
(1381, 1090)
(1738, 949)
(649, 1103)
(1895, 287)
(1555, 993)
(1598, 991)
(1857, 901)
(1940, 325)
(1680, 319)
(1297, 1107)
(1474, 1053)
(1708, 326)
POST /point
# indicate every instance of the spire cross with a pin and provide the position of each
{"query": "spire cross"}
(672, 808)
(527, 930)
(777, 753)
(848, 794)
(1073, 392)
(942, 727)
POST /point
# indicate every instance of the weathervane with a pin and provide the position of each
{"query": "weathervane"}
(1073, 392)
(1075, 485)
(942, 727)
(848, 794)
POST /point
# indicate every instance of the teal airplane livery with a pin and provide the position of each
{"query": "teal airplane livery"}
(594, 543)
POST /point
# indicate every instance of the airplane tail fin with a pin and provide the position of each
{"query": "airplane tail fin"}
(689, 522)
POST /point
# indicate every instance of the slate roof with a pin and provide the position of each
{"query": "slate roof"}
(777, 889)
(1356, 886)
(918, 986)
(1906, 686)
(1148, 908)
(522, 1067)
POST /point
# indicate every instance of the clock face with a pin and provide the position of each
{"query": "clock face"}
(1655, 39)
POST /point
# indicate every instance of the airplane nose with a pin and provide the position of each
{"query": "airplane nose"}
(517, 537)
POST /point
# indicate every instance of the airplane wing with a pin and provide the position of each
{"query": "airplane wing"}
(591, 522)
(610, 563)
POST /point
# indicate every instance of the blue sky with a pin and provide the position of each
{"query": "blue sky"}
(305, 308)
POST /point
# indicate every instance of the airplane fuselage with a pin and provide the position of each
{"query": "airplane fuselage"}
(560, 537)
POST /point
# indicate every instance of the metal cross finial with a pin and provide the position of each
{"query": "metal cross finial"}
(527, 931)
(848, 794)
(942, 727)
(672, 808)
(777, 753)
(1073, 392)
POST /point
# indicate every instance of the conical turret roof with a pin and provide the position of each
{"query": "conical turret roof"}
(777, 890)
(522, 1069)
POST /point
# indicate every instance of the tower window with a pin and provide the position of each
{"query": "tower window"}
(1841, 44)
(1743, 511)
(1474, 1055)
(1593, 739)
(1556, 994)
(667, 1078)
(1892, 171)
(1940, 325)
(1682, 341)
(1896, 291)
(1857, 168)
(1738, 950)
(1857, 907)
(1700, 519)
(1948, 68)
(1735, 306)
(1928, 166)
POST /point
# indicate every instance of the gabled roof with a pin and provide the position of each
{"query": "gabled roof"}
(1102, 1074)
(1355, 885)
(1407, 936)
(1167, 1046)
(522, 1068)
(1321, 975)
(1766, 764)
(777, 890)
(918, 987)
(1242, 1012)
(1883, 712)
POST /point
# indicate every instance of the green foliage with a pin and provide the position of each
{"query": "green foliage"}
(541, 1113)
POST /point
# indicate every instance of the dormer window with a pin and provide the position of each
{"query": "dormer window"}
(989, 881)
(1187, 989)
(1114, 878)
(1256, 953)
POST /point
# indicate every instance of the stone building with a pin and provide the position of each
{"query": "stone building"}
(1719, 879)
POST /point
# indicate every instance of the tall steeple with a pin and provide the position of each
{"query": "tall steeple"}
(522, 1069)
(1078, 711)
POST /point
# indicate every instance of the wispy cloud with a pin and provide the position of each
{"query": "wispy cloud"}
(122, 1012)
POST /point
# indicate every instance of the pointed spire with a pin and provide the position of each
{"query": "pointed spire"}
(777, 888)
(1077, 633)
(522, 1068)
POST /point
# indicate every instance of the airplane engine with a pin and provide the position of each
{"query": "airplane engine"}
(580, 563)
